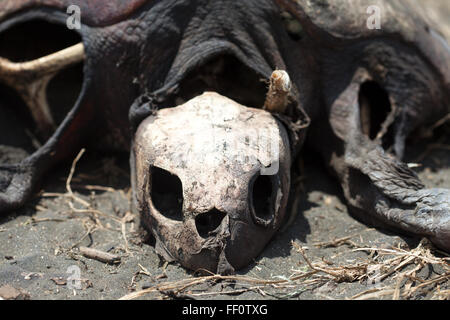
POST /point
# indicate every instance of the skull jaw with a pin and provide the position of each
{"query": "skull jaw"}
(234, 246)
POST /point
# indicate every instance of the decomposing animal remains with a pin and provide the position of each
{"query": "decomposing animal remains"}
(214, 101)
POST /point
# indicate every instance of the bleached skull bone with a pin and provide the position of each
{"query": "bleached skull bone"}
(232, 166)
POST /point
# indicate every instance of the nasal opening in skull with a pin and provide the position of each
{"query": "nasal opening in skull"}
(375, 108)
(166, 193)
(51, 85)
(209, 221)
(262, 199)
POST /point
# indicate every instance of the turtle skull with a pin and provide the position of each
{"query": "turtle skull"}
(211, 179)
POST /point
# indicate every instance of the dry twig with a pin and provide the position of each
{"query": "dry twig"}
(99, 255)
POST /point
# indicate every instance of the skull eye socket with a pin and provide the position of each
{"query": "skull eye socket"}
(262, 204)
(166, 193)
(375, 108)
(49, 87)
